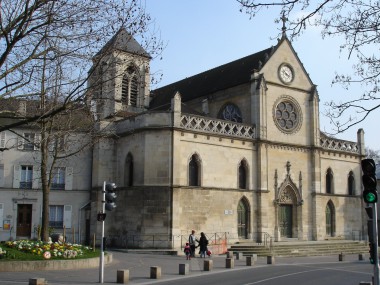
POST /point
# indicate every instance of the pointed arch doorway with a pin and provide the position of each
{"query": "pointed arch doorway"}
(243, 211)
(330, 219)
(287, 213)
(286, 220)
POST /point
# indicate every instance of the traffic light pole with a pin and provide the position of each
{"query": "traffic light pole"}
(376, 246)
(101, 263)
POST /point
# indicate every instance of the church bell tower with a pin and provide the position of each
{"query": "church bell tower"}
(119, 79)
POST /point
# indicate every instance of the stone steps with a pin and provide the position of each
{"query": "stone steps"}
(303, 248)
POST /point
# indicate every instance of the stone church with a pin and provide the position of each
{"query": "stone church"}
(236, 150)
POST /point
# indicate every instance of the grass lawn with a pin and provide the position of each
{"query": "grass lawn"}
(37, 250)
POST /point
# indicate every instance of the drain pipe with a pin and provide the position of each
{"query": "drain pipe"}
(79, 221)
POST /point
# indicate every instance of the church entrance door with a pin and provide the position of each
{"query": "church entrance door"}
(285, 220)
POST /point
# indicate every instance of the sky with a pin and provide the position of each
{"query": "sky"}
(203, 34)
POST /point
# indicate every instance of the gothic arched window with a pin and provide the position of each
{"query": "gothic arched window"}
(329, 181)
(243, 170)
(330, 219)
(130, 87)
(230, 112)
(351, 184)
(128, 171)
(194, 171)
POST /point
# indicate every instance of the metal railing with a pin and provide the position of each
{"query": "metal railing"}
(220, 241)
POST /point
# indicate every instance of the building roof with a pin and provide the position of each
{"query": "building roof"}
(123, 41)
(76, 117)
(220, 78)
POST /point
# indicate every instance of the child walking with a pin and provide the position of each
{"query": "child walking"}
(187, 251)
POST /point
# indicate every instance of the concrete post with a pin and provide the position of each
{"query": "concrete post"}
(270, 259)
(207, 265)
(361, 256)
(184, 269)
(155, 272)
(341, 257)
(37, 281)
(122, 276)
(249, 260)
(230, 263)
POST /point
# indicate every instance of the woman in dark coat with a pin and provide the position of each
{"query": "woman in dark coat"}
(203, 242)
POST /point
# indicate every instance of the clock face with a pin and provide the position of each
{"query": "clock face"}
(286, 73)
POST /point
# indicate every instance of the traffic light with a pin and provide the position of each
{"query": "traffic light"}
(110, 196)
(372, 254)
(369, 180)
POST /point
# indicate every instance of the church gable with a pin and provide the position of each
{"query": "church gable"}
(289, 115)
(285, 68)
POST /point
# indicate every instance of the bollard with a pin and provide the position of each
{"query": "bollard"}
(183, 269)
(230, 263)
(155, 272)
(207, 265)
(249, 260)
(341, 257)
(229, 254)
(37, 281)
(270, 259)
(122, 276)
(254, 257)
(239, 255)
(361, 256)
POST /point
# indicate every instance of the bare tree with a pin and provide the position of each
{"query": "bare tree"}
(357, 21)
(374, 154)
(68, 31)
(47, 48)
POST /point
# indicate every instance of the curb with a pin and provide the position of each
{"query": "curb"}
(39, 265)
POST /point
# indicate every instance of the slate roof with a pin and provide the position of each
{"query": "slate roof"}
(14, 109)
(220, 78)
(123, 41)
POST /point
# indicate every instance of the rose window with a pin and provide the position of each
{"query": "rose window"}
(287, 116)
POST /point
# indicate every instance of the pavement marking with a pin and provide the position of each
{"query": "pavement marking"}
(281, 276)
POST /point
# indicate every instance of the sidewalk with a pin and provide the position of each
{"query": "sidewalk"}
(139, 268)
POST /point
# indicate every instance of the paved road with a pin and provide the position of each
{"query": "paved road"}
(260, 273)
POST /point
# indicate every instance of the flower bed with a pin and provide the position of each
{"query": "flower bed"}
(37, 250)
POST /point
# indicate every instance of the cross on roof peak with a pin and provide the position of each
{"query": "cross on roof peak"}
(283, 19)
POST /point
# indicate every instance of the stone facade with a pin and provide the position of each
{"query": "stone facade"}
(270, 137)
(234, 151)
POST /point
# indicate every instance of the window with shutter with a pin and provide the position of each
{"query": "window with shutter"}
(56, 216)
(58, 178)
(26, 177)
(29, 140)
